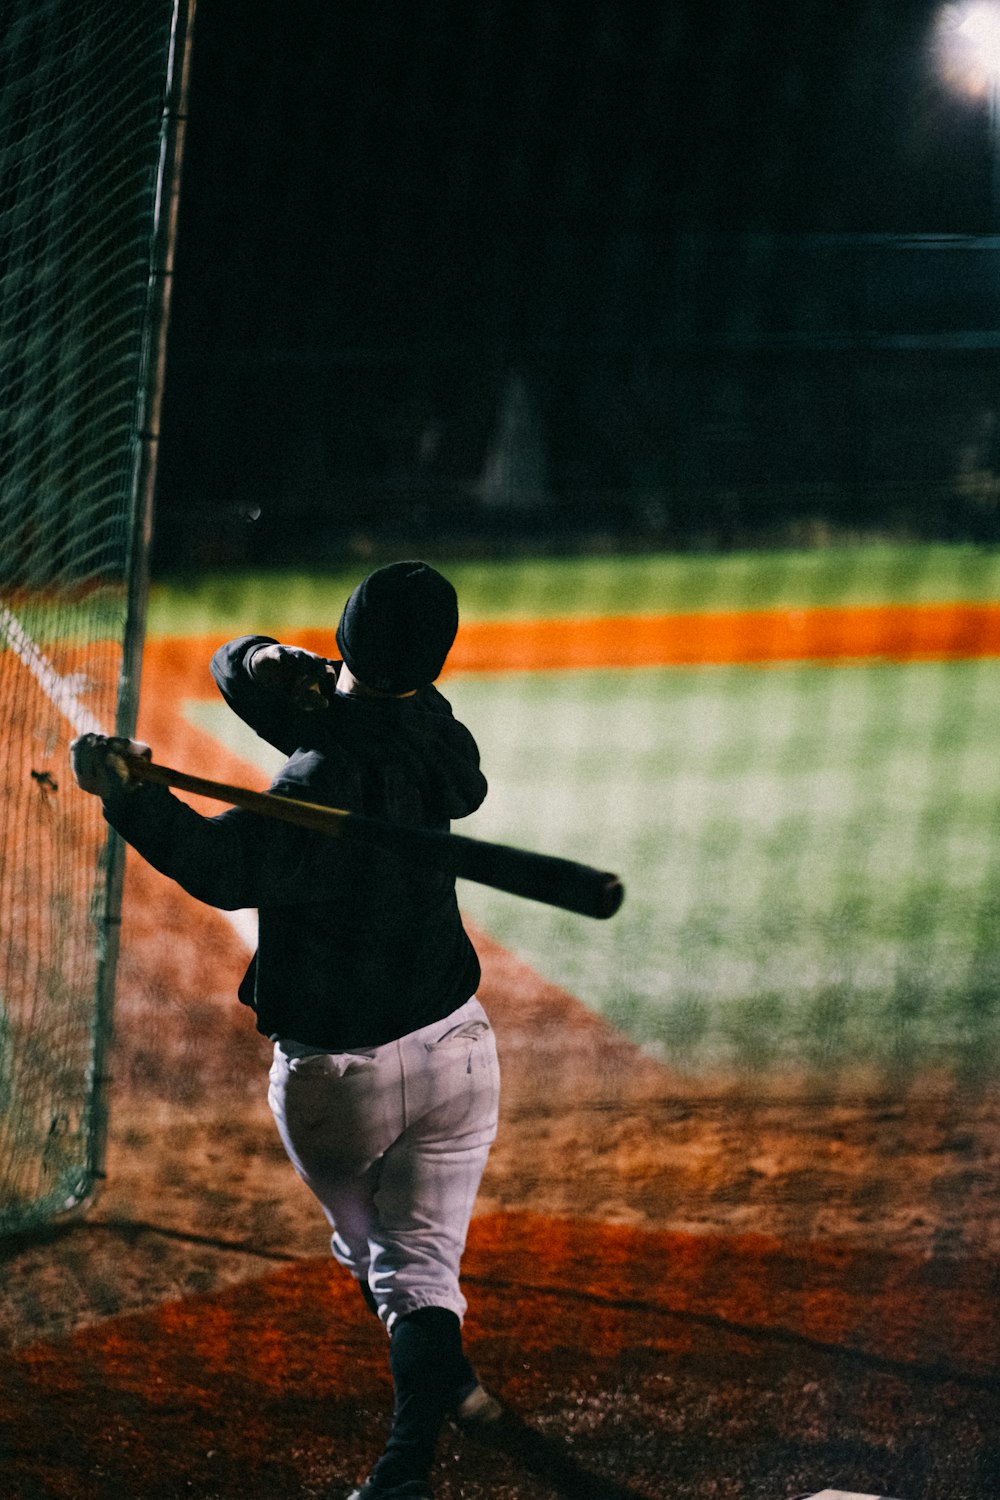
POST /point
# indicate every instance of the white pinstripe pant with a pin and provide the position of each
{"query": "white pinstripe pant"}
(393, 1141)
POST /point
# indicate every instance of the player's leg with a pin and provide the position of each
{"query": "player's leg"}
(431, 1173)
(334, 1114)
(424, 1199)
(398, 1188)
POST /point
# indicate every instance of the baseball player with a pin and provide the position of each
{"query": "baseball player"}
(384, 1084)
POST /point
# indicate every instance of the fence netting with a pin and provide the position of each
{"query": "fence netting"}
(83, 91)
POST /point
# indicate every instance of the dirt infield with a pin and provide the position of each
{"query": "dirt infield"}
(684, 1288)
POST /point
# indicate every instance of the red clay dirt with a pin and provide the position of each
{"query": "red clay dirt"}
(684, 1288)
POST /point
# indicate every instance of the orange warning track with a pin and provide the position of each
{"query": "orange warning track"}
(891, 632)
(899, 632)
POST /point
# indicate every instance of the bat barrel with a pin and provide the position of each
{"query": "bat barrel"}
(537, 877)
(521, 872)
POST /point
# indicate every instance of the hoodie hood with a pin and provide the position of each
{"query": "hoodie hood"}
(408, 760)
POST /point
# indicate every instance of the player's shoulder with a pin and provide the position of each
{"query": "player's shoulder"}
(315, 775)
(432, 701)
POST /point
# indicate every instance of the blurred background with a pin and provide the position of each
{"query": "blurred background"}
(622, 312)
(671, 333)
(558, 276)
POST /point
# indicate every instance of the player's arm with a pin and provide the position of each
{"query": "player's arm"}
(234, 860)
(276, 689)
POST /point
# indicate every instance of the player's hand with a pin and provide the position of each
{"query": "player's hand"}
(98, 765)
(300, 677)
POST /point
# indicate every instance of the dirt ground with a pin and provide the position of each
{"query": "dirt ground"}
(199, 1190)
(680, 1293)
(682, 1287)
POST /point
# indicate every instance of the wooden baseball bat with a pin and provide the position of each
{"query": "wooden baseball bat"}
(521, 872)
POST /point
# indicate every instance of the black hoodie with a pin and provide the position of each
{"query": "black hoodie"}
(356, 948)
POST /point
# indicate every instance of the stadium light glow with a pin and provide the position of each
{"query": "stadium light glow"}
(981, 27)
(967, 44)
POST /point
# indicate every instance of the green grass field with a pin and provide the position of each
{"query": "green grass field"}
(534, 589)
(810, 853)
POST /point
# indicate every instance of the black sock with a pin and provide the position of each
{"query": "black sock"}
(428, 1370)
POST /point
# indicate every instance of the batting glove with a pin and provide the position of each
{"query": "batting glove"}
(98, 765)
(300, 677)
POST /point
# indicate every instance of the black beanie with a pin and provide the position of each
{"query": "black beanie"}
(398, 627)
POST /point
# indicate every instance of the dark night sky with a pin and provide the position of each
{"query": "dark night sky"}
(369, 170)
(492, 176)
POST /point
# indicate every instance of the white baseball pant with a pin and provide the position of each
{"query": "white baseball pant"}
(393, 1141)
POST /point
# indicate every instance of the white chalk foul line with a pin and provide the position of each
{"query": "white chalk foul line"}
(63, 693)
(244, 924)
